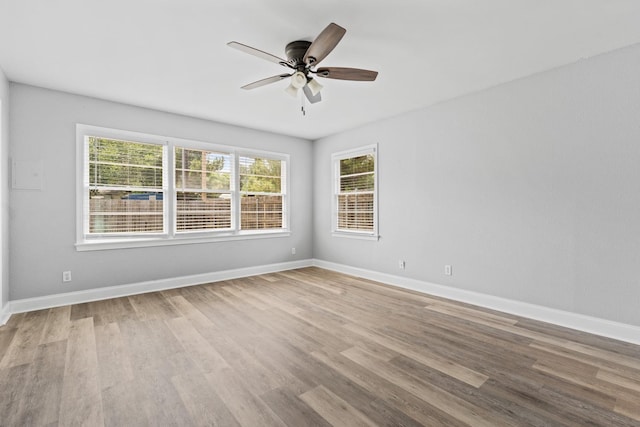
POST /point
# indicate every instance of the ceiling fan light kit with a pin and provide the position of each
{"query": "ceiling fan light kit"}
(302, 58)
(291, 90)
(314, 86)
(298, 80)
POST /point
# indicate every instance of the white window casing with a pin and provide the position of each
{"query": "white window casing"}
(355, 193)
(136, 190)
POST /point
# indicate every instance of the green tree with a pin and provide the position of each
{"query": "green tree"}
(202, 169)
(357, 173)
(258, 175)
(123, 163)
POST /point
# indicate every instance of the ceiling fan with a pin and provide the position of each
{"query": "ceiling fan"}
(302, 59)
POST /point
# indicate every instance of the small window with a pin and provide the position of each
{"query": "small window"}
(355, 193)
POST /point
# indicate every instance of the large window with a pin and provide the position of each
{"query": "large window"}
(138, 190)
(355, 193)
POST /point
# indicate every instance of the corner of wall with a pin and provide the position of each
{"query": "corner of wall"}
(5, 314)
(4, 194)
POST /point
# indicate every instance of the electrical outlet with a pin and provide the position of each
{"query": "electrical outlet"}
(66, 276)
(293, 251)
(447, 270)
(401, 265)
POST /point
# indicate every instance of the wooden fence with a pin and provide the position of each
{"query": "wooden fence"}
(146, 216)
(355, 211)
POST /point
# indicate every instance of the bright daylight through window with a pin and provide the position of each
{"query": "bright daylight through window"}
(203, 190)
(139, 190)
(355, 193)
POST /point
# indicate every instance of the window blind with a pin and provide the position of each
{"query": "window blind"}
(262, 193)
(355, 197)
(125, 185)
(138, 189)
(203, 190)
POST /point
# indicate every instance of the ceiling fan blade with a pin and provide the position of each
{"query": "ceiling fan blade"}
(342, 73)
(324, 44)
(257, 52)
(310, 96)
(266, 81)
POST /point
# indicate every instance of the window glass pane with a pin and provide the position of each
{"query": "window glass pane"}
(259, 175)
(260, 212)
(356, 193)
(355, 211)
(115, 163)
(203, 211)
(357, 165)
(125, 212)
(202, 170)
(353, 183)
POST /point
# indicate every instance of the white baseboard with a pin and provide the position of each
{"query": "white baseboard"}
(57, 300)
(594, 325)
(4, 314)
(581, 322)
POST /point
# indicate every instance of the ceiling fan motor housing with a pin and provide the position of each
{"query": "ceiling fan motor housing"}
(295, 53)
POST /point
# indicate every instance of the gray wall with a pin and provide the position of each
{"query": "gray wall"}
(4, 190)
(43, 222)
(530, 190)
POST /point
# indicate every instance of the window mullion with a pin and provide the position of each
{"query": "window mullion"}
(169, 180)
(235, 193)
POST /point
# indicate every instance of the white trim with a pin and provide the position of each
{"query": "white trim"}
(180, 239)
(5, 314)
(355, 235)
(335, 185)
(285, 193)
(57, 300)
(355, 152)
(593, 325)
(171, 236)
(567, 319)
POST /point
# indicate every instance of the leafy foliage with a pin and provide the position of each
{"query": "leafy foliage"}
(357, 174)
(123, 163)
(259, 175)
(204, 170)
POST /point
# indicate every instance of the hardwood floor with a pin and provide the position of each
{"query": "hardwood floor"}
(307, 347)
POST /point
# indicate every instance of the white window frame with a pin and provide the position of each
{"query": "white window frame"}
(197, 145)
(284, 183)
(170, 236)
(335, 190)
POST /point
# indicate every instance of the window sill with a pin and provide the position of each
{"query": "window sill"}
(354, 235)
(108, 244)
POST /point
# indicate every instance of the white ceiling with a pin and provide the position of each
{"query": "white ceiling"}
(171, 55)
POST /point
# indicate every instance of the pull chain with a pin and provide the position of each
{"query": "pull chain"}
(304, 112)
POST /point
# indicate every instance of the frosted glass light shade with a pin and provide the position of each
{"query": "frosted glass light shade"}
(298, 80)
(291, 90)
(314, 86)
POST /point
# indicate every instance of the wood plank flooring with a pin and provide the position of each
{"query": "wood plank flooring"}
(307, 347)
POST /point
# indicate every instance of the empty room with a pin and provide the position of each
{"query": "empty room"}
(336, 213)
